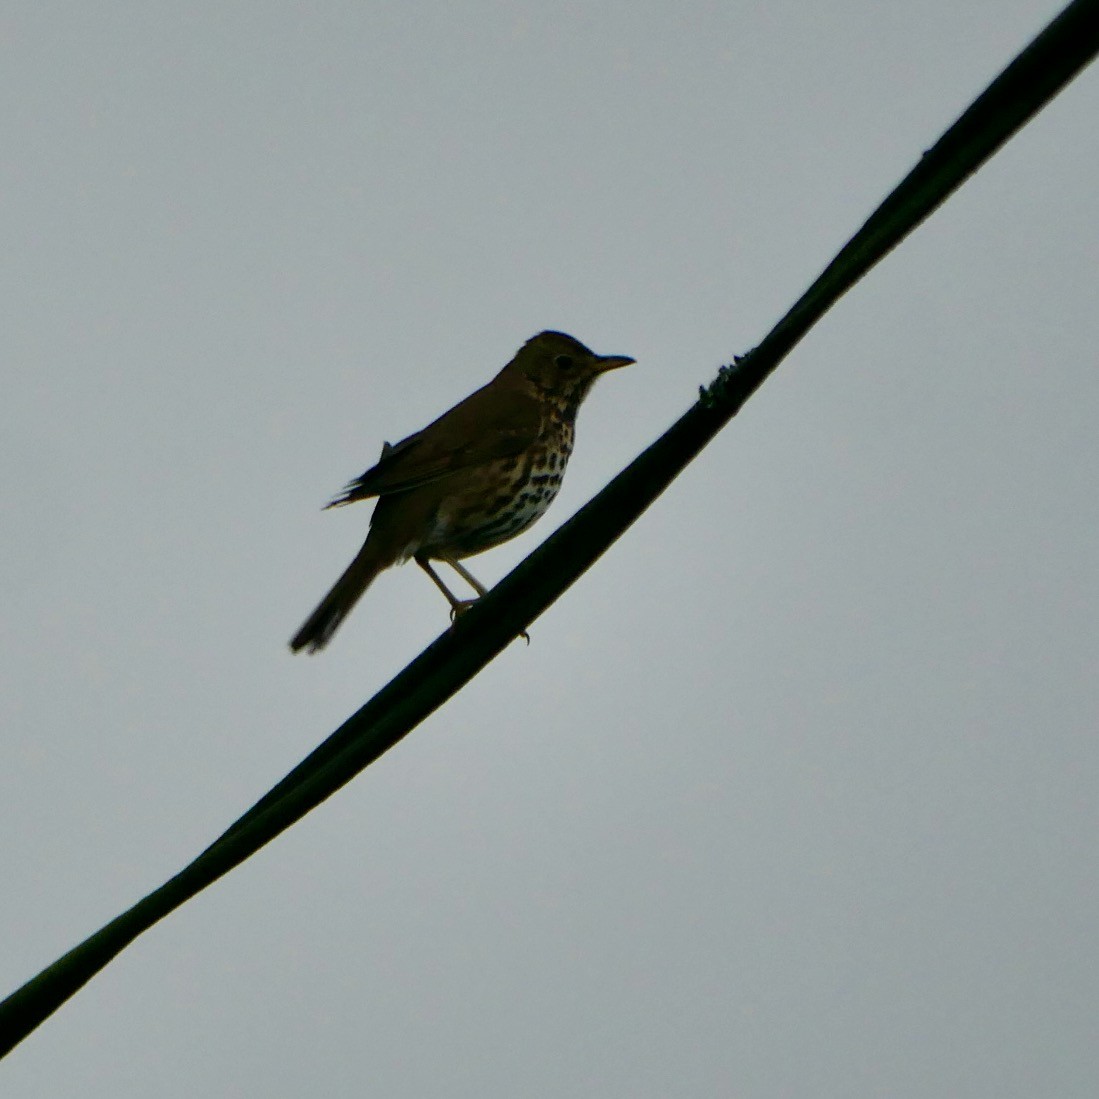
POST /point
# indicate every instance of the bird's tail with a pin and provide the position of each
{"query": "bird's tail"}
(336, 605)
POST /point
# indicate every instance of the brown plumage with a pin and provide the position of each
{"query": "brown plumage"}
(480, 474)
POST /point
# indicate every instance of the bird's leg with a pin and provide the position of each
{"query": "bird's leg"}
(457, 606)
(467, 576)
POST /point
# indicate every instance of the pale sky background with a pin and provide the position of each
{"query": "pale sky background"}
(794, 794)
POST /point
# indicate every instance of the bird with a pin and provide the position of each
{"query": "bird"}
(477, 476)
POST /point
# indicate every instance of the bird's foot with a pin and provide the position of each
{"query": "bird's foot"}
(460, 606)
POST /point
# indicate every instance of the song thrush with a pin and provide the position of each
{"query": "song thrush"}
(480, 474)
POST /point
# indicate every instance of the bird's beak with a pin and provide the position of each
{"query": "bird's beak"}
(603, 363)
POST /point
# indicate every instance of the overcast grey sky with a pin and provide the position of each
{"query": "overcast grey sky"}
(793, 794)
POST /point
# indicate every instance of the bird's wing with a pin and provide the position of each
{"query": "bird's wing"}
(487, 425)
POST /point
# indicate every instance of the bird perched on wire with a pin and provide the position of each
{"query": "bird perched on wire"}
(480, 474)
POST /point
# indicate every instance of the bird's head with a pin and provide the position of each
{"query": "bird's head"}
(561, 367)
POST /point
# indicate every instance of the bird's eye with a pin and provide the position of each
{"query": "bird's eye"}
(564, 362)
